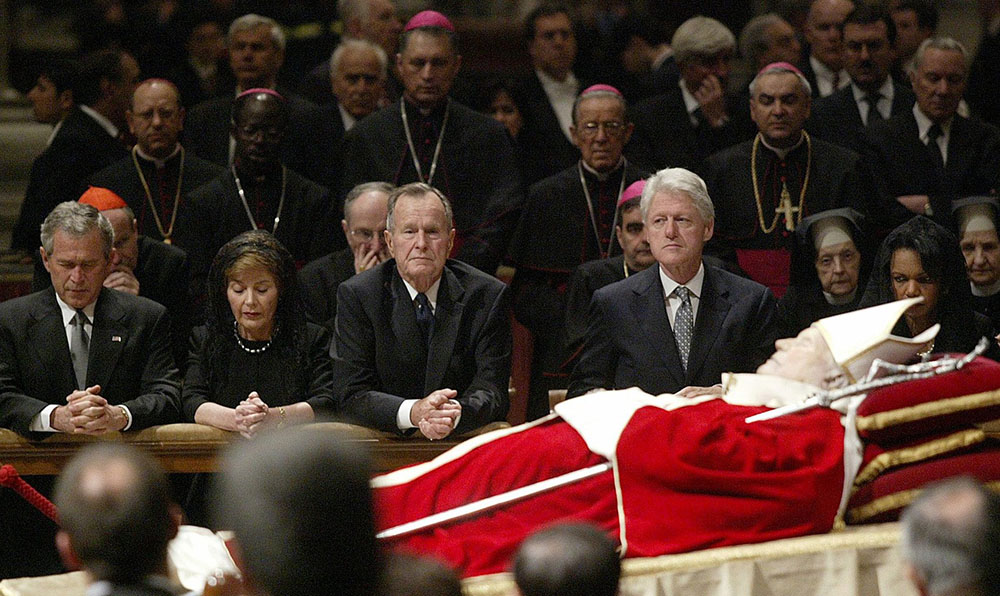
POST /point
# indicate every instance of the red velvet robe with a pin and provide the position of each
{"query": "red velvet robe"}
(687, 479)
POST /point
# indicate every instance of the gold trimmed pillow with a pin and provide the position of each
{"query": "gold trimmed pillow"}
(878, 458)
(951, 401)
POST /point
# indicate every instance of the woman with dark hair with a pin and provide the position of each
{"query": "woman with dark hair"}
(921, 258)
(257, 363)
(831, 261)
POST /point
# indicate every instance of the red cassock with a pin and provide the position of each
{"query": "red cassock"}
(686, 479)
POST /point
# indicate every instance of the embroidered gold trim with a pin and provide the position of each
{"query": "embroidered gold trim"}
(893, 502)
(909, 455)
(940, 407)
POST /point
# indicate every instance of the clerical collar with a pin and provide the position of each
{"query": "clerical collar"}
(782, 153)
(603, 177)
(824, 76)
(986, 291)
(886, 93)
(839, 300)
(159, 163)
(106, 124)
(431, 293)
(346, 118)
(924, 125)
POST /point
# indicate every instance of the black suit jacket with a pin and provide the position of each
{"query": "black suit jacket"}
(630, 343)
(548, 149)
(80, 148)
(903, 165)
(306, 147)
(318, 283)
(129, 358)
(836, 119)
(381, 359)
(665, 138)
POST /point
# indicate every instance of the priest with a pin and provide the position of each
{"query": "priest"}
(428, 137)
(765, 187)
(713, 479)
(569, 219)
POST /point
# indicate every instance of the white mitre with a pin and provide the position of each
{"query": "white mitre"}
(857, 338)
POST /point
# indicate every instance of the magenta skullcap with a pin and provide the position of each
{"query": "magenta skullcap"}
(429, 18)
(634, 190)
(783, 66)
(264, 90)
(601, 87)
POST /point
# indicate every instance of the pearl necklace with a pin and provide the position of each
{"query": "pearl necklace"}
(239, 340)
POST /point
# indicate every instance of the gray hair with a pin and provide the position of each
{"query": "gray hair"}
(76, 219)
(771, 70)
(363, 188)
(951, 536)
(599, 93)
(252, 21)
(753, 37)
(351, 43)
(417, 189)
(700, 37)
(941, 43)
(678, 180)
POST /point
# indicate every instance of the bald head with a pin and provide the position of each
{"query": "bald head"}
(156, 117)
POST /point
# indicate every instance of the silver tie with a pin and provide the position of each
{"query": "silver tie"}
(683, 324)
(79, 348)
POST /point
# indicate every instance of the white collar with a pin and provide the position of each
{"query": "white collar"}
(345, 117)
(159, 163)
(100, 119)
(839, 300)
(690, 103)
(694, 284)
(782, 153)
(55, 130)
(548, 81)
(68, 312)
(602, 176)
(431, 293)
(822, 71)
(751, 389)
(985, 291)
(886, 91)
(924, 124)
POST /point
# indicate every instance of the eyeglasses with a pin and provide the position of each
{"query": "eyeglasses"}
(612, 128)
(366, 235)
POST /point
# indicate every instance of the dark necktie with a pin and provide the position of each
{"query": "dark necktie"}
(873, 114)
(933, 134)
(79, 347)
(683, 324)
(425, 317)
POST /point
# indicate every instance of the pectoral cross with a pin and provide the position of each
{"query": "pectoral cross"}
(786, 207)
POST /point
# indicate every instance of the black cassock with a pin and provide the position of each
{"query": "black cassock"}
(836, 178)
(477, 170)
(554, 236)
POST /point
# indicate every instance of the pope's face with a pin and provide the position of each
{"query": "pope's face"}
(982, 256)
(805, 358)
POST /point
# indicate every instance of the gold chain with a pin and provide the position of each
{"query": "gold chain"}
(756, 191)
(152, 204)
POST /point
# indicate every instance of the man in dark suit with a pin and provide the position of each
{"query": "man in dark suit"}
(117, 519)
(869, 35)
(547, 94)
(256, 53)
(364, 227)
(82, 358)
(681, 323)
(682, 127)
(157, 176)
(87, 141)
(422, 342)
(823, 64)
(931, 155)
(358, 70)
(427, 137)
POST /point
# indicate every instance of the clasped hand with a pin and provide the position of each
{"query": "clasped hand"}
(253, 416)
(86, 412)
(437, 414)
